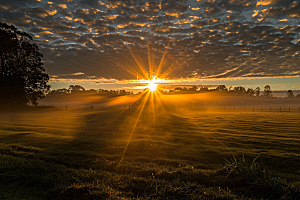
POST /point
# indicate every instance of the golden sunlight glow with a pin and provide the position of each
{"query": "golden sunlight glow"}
(151, 84)
(152, 87)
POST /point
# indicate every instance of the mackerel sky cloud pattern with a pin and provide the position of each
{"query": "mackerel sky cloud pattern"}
(86, 39)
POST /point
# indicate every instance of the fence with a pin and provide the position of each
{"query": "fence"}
(199, 108)
(91, 107)
(247, 108)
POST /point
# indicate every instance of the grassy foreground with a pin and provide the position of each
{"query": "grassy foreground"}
(179, 154)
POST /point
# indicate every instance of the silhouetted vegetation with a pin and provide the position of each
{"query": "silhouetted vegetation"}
(22, 78)
(290, 94)
(78, 89)
(222, 89)
(236, 91)
(267, 91)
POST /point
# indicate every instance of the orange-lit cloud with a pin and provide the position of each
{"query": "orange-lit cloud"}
(189, 39)
(63, 6)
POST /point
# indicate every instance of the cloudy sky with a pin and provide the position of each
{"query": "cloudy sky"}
(100, 42)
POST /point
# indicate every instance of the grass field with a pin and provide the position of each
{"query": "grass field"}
(165, 154)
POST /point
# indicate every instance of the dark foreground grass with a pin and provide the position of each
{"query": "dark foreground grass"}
(178, 155)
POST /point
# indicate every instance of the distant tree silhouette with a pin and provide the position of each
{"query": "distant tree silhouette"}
(22, 78)
(76, 88)
(203, 89)
(122, 92)
(267, 91)
(257, 91)
(194, 88)
(221, 88)
(103, 90)
(239, 90)
(59, 92)
(290, 94)
(91, 91)
(178, 89)
(250, 92)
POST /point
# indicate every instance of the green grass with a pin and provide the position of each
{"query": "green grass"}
(172, 154)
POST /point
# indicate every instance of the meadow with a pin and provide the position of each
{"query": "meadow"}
(150, 152)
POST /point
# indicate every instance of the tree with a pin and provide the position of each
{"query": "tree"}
(59, 92)
(250, 92)
(203, 89)
(239, 90)
(257, 91)
(22, 78)
(267, 91)
(122, 92)
(221, 88)
(76, 88)
(194, 88)
(290, 94)
(178, 89)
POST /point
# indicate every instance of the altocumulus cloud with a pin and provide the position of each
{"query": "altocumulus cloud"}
(117, 39)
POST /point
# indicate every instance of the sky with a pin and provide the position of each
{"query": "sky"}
(109, 43)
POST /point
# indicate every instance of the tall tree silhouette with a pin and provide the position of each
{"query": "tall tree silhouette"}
(221, 88)
(267, 91)
(290, 94)
(76, 88)
(257, 91)
(239, 90)
(22, 78)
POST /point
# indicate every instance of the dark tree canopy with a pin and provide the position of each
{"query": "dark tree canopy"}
(239, 90)
(290, 94)
(22, 77)
(76, 88)
(221, 88)
(267, 91)
(250, 92)
(257, 91)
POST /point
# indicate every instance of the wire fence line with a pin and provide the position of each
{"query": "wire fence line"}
(194, 108)
(89, 107)
(248, 108)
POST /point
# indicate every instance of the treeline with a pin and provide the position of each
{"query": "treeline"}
(239, 90)
(78, 89)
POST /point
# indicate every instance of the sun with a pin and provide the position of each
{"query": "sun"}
(152, 87)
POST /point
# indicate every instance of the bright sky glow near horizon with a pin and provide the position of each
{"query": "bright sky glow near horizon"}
(108, 43)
